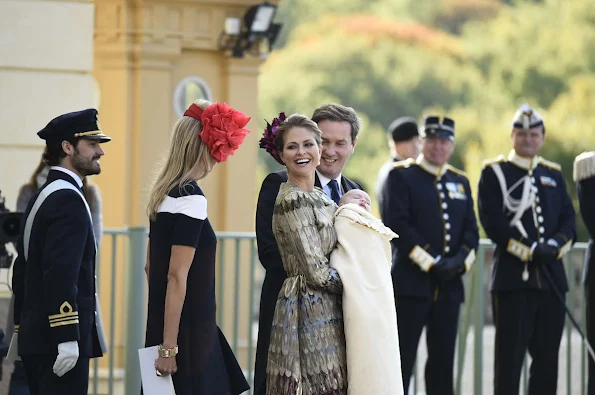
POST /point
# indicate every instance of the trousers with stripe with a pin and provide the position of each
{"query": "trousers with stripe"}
(527, 320)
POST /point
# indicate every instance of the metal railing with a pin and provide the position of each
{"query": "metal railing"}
(477, 314)
(237, 265)
(239, 277)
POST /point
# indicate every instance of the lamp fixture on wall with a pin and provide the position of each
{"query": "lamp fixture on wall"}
(255, 33)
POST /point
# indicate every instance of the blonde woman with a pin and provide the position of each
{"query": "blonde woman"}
(181, 256)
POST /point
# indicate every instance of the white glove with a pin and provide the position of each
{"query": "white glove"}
(68, 355)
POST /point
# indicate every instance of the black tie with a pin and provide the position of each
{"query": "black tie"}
(334, 186)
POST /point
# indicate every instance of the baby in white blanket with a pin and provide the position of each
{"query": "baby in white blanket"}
(363, 260)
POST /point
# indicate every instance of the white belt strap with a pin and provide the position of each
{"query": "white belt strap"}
(517, 207)
(54, 186)
(43, 195)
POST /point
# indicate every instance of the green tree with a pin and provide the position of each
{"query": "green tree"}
(531, 50)
(381, 68)
(477, 64)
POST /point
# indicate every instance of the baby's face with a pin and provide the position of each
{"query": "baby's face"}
(358, 197)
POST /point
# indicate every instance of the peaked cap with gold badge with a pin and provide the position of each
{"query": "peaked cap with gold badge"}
(79, 124)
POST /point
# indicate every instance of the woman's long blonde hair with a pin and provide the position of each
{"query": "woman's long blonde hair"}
(188, 159)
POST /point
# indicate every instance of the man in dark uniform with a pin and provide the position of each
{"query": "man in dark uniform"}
(340, 127)
(526, 211)
(428, 203)
(584, 176)
(404, 143)
(56, 314)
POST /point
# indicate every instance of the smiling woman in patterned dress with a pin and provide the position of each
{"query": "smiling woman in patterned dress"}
(307, 349)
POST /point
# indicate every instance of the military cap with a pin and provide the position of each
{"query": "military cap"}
(526, 118)
(403, 128)
(442, 128)
(79, 124)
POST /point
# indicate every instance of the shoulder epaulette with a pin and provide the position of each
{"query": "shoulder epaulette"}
(550, 164)
(457, 171)
(584, 166)
(404, 163)
(489, 162)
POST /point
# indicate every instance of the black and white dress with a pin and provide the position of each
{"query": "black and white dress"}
(206, 364)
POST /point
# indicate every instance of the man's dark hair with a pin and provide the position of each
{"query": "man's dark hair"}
(338, 113)
(54, 153)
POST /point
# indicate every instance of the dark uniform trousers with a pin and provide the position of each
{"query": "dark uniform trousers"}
(270, 258)
(54, 291)
(528, 314)
(532, 320)
(43, 381)
(440, 318)
(584, 175)
(431, 209)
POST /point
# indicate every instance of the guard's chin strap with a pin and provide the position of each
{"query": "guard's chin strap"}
(516, 206)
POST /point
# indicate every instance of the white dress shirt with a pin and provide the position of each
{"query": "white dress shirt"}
(70, 173)
(324, 184)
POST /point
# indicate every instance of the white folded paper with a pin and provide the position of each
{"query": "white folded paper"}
(13, 349)
(153, 384)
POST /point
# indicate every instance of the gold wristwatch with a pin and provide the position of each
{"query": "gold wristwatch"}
(167, 352)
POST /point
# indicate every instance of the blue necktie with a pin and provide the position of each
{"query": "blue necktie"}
(334, 186)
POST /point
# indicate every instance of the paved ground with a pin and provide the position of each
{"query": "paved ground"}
(467, 382)
(488, 364)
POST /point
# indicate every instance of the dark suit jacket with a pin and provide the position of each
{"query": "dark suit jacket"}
(270, 258)
(586, 198)
(55, 288)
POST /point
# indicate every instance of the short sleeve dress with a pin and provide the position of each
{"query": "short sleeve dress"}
(206, 364)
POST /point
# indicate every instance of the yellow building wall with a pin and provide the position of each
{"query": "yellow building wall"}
(46, 59)
(126, 57)
(143, 50)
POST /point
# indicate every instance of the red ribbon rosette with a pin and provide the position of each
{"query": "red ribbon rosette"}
(222, 128)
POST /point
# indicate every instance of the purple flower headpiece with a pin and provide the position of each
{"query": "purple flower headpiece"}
(268, 138)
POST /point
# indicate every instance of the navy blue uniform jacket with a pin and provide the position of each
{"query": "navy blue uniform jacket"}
(431, 209)
(55, 288)
(552, 209)
(584, 176)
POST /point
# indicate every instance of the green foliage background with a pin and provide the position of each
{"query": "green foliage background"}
(473, 60)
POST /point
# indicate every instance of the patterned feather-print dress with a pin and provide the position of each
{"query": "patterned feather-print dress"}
(307, 349)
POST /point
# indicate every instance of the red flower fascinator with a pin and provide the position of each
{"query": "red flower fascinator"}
(268, 138)
(222, 128)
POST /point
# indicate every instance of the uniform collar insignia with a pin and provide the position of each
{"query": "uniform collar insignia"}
(548, 181)
(438, 171)
(522, 162)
